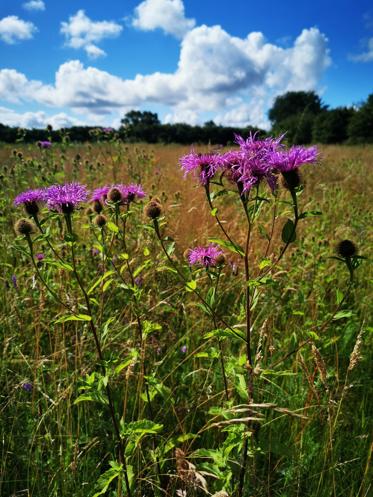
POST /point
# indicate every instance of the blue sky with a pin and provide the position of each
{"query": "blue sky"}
(89, 62)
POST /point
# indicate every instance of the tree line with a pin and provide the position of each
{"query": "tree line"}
(301, 115)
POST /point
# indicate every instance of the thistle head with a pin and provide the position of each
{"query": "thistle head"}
(24, 227)
(153, 209)
(115, 195)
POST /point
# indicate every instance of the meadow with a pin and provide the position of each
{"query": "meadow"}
(128, 370)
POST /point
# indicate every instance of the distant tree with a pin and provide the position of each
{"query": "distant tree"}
(293, 103)
(360, 129)
(140, 126)
(331, 126)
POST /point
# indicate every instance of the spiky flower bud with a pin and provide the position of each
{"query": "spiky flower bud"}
(100, 220)
(291, 179)
(153, 209)
(115, 195)
(220, 260)
(24, 227)
(97, 206)
(346, 248)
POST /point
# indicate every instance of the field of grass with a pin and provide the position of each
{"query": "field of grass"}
(124, 370)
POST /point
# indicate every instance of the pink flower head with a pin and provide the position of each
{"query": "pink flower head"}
(206, 164)
(256, 162)
(100, 193)
(65, 198)
(30, 196)
(288, 160)
(204, 256)
(131, 192)
(44, 144)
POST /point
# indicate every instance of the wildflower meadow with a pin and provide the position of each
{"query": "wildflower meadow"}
(180, 321)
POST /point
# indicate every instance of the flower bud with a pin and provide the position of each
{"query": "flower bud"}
(24, 227)
(346, 248)
(115, 195)
(153, 209)
(100, 220)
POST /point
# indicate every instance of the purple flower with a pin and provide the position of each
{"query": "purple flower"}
(44, 144)
(139, 281)
(100, 194)
(14, 281)
(108, 130)
(130, 192)
(27, 387)
(39, 256)
(64, 198)
(206, 164)
(288, 160)
(256, 163)
(29, 199)
(204, 256)
(183, 349)
(94, 251)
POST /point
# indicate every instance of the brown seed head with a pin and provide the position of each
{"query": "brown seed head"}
(24, 227)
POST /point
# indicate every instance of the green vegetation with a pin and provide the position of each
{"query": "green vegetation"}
(124, 369)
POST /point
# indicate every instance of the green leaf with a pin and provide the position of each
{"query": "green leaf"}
(265, 263)
(232, 247)
(310, 214)
(112, 227)
(191, 285)
(77, 317)
(106, 478)
(142, 427)
(342, 315)
(214, 211)
(288, 232)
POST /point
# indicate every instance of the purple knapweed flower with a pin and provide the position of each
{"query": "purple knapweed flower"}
(206, 165)
(205, 256)
(100, 194)
(131, 192)
(256, 163)
(39, 256)
(44, 144)
(288, 160)
(139, 281)
(30, 199)
(108, 130)
(65, 198)
(27, 387)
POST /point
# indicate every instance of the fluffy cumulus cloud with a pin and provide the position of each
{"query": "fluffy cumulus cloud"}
(13, 29)
(167, 15)
(82, 33)
(34, 5)
(36, 119)
(366, 56)
(232, 79)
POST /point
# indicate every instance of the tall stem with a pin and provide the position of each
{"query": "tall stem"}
(122, 458)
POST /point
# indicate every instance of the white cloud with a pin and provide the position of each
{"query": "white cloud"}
(12, 29)
(34, 5)
(365, 56)
(83, 33)
(168, 15)
(234, 79)
(36, 119)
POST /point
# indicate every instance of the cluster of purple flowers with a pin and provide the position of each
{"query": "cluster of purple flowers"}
(65, 198)
(256, 160)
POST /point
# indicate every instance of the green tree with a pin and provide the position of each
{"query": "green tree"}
(360, 129)
(331, 126)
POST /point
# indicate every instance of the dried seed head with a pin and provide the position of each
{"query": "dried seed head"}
(153, 209)
(24, 227)
(97, 206)
(100, 220)
(291, 179)
(115, 195)
(346, 248)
